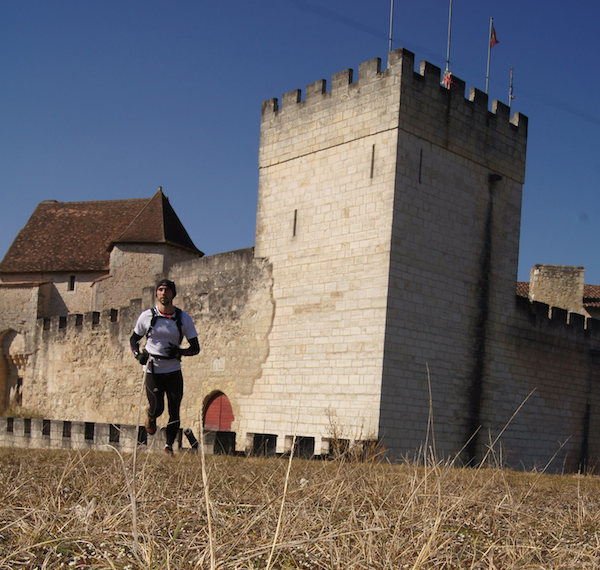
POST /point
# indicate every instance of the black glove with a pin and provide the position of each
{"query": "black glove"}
(141, 357)
(173, 351)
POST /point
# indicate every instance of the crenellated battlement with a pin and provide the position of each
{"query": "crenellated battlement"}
(413, 101)
(104, 320)
(428, 77)
(542, 315)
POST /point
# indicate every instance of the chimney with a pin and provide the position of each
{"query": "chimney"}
(558, 286)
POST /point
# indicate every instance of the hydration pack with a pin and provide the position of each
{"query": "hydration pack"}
(176, 318)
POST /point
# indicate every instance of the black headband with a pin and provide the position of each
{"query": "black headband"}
(168, 284)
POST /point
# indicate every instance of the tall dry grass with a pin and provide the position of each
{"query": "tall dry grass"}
(67, 509)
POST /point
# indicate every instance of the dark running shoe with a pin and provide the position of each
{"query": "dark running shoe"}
(150, 425)
(169, 451)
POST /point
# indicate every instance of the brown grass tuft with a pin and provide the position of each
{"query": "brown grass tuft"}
(71, 509)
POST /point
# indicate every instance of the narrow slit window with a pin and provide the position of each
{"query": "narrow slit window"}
(72, 283)
(295, 223)
(372, 160)
(420, 165)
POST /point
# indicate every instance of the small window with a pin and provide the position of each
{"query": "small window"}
(114, 433)
(72, 283)
(88, 430)
(305, 446)
(264, 444)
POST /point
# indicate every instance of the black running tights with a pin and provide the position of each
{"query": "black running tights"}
(171, 384)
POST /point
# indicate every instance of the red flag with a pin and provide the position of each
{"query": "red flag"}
(447, 80)
(493, 39)
(511, 94)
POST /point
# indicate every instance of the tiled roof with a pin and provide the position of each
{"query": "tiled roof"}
(591, 293)
(78, 236)
(156, 222)
(523, 288)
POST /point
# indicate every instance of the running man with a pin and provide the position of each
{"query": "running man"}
(164, 326)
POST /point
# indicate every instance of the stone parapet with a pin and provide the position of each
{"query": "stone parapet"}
(38, 433)
(397, 97)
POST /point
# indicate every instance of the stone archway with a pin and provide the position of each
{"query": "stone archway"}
(12, 368)
(218, 413)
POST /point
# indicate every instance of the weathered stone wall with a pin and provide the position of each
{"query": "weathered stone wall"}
(386, 205)
(454, 255)
(558, 286)
(58, 296)
(133, 267)
(543, 367)
(18, 313)
(230, 299)
(19, 307)
(64, 300)
(326, 190)
(82, 368)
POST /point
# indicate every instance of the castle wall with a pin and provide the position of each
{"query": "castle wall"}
(403, 199)
(64, 299)
(543, 368)
(133, 267)
(454, 255)
(82, 368)
(326, 188)
(64, 292)
(20, 305)
(229, 296)
(558, 286)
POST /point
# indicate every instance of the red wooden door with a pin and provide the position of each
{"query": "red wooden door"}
(218, 415)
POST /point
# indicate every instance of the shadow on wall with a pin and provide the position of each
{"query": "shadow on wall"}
(12, 365)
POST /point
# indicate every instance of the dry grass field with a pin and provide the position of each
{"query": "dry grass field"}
(69, 509)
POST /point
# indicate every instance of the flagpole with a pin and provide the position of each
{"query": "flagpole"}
(510, 91)
(449, 29)
(391, 23)
(487, 73)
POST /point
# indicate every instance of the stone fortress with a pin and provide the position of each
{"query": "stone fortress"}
(379, 301)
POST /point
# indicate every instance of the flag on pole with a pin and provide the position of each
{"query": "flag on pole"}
(447, 80)
(493, 38)
(492, 41)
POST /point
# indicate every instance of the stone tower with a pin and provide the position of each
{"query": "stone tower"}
(386, 205)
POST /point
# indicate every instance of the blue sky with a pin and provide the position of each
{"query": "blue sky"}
(111, 99)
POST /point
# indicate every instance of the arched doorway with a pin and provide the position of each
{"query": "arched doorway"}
(218, 413)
